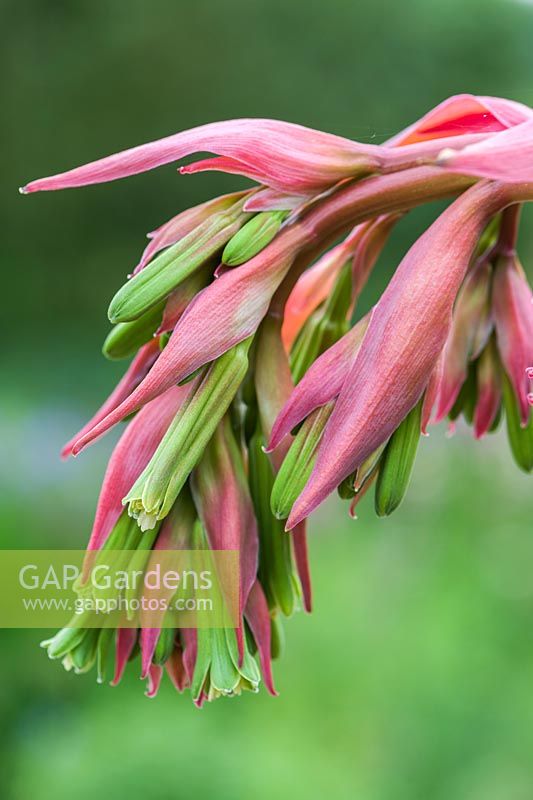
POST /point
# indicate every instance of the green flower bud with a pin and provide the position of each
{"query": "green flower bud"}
(276, 568)
(125, 338)
(217, 671)
(83, 656)
(64, 641)
(156, 489)
(134, 557)
(397, 463)
(252, 237)
(79, 647)
(173, 265)
(298, 463)
(520, 439)
(105, 640)
(277, 637)
(125, 538)
(139, 561)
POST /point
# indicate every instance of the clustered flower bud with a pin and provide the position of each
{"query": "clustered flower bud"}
(260, 383)
(490, 345)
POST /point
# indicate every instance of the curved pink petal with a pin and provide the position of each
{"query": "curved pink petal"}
(272, 200)
(432, 393)
(513, 317)
(301, 556)
(291, 156)
(469, 333)
(189, 638)
(125, 642)
(176, 670)
(488, 391)
(271, 359)
(464, 113)
(405, 335)
(230, 166)
(155, 675)
(148, 641)
(258, 618)
(508, 112)
(320, 384)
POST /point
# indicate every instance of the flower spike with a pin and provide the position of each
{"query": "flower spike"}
(257, 391)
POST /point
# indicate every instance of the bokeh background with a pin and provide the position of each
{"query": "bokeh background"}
(413, 678)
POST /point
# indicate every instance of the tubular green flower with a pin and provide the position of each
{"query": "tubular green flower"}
(151, 497)
(396, 464)
(299, 461)
(174, 265)
(252, 237)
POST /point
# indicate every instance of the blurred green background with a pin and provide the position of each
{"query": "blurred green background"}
(413, 678)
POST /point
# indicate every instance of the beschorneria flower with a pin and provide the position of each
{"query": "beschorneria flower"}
(261, 381)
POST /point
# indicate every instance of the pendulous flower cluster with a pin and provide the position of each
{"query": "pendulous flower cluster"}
(259, 384)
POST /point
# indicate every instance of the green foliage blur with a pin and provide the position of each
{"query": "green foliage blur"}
(413, 678)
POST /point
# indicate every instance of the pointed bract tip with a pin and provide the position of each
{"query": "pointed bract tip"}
(274, 441)
(23, 190)
(293, 521)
